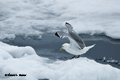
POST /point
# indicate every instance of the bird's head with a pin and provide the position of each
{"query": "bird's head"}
(64, 46)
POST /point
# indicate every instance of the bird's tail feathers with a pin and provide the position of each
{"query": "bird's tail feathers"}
(91, 46)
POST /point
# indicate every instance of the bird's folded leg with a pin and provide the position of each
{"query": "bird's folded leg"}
(73, 57)
(78, 56)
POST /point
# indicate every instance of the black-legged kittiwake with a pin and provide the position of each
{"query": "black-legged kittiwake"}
(77, 46)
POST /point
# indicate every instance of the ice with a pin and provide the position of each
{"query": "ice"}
(4, 54)
(35, 17)
(36, 67)
(15, 51)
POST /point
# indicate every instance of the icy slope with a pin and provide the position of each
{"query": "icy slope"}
(14, 51)
(34, 17)
(37, 67)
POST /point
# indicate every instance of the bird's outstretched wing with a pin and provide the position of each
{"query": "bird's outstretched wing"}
(75, 40)
(62, 34)
(75, 36)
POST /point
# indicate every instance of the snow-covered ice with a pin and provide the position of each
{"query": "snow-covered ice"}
(15, 51)
(37, 67)
(35, 17)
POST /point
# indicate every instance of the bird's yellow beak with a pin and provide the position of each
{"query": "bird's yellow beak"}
(61, 48)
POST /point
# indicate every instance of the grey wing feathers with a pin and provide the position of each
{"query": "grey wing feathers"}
(61, 34)
(78, 40)
(73, 35)
(69, 27)
(75, 40)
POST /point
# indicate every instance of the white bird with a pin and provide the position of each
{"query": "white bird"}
(77, 46)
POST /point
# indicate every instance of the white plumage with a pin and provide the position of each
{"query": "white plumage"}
(77, 45)
(76, 51)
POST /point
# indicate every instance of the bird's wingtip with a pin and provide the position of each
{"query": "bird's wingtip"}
(57, 34)
(67, 23)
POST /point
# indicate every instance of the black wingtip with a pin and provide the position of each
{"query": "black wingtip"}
(57, 34)
(66, 23)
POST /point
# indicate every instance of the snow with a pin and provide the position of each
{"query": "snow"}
(4, 54)
(37, 67)
(14, 51)
(35, 17)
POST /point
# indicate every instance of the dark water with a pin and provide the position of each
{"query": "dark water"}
(49, 46)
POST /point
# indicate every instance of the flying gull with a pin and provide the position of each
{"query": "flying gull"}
(77, 46)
